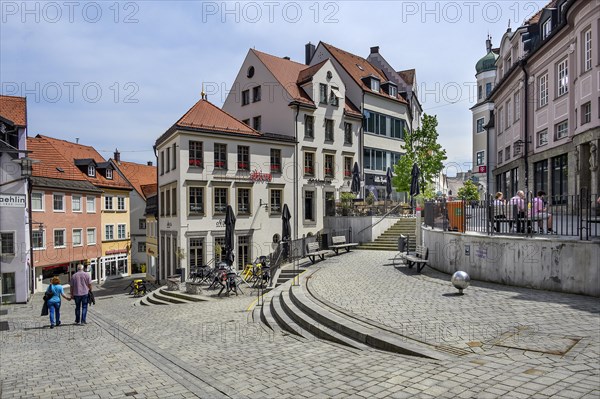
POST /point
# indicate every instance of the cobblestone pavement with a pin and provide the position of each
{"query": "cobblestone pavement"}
(213, 349)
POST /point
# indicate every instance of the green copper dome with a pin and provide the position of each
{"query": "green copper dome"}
(487, 63)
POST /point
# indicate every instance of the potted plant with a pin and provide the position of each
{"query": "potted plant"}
(346, 201)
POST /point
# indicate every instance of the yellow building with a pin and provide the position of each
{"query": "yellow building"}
(151, 212)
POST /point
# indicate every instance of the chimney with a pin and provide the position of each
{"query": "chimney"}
(488, 44)
(309, 52)
(76, 140)
(375, 50)
(149, 163)
(286, 58)
(117, 155)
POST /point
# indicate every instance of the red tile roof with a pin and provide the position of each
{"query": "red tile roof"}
(149, 190)
(204, 115)
(287, 73)
(536, 17)
(351, 110)
(51, 161)
(306, 74)
(14, 109)
(359, 68)
(138, 175)
(71, 152)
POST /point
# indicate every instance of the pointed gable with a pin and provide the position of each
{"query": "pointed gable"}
(139, 175)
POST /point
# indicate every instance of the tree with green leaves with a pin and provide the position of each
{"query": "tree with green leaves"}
(469, 191)
(423, 149)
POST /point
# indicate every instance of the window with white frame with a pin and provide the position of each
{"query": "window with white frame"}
(90, 204)
(109, 174)
(562, 75)
(256, 94)
(542, 138)
(500, 120)
(587, 50)
(348, 167)
(120, 203)
(309, 163)
(561, 130)
(141, 247)
(329, 165)
(220, 200)
(323, 93)
(196, 155)
(142, 224)
(91, 236)
(328, 129)
(245, 97)
(480, 158)
(37, 239)
(517, 103)
(546, 28)
(37, 201)
(275, 203)
(243, 201)
(59, 238)
(121, 231)
(109, 232)
(309, 126)
(108, 202)
(91, 171)
(58, 202)
(480, 123)
(333, 98)
(500, 156)
(347, 133)
(543, 90)
(8, 242)
(220, 154)
(76, 203)
(509, 113)
(77, 237)
(507, 153)
(196, 201)
(393, 90)
(375, 84)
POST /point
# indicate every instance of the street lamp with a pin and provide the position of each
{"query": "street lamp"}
(26, 173)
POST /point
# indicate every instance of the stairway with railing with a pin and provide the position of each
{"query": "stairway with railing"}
(388, 241)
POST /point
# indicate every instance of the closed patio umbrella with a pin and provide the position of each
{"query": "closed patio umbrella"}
(286, 229)
(229, 238)
(355, 188)
(414, 183)
(388, 182)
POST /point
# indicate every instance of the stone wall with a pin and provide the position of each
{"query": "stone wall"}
(552, 264)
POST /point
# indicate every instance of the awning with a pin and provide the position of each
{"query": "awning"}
(336, 93)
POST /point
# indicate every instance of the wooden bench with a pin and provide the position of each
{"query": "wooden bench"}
(420, 258)
(339, 242)
(313, 250)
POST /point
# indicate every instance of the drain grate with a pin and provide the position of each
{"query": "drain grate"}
(452, 350)
(3, 325)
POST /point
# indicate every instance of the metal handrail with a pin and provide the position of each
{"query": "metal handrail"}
(383, 217)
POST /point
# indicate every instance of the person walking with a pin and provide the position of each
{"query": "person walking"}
(54, 302)
(81, 285)
(518, 201)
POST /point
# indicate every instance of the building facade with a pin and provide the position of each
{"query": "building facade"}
(549, 68)
(150, 192)
(206, 161)
(15, 250)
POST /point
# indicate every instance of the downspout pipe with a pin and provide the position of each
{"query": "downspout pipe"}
(296, 199)
(159, 260)
(523, 63)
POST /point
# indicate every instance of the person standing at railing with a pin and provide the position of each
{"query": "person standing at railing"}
(499, 212)
(519, 201)
(540, 211)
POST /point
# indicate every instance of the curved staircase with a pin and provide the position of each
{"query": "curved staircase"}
(162, 296)
(293, 310)
(388, 241)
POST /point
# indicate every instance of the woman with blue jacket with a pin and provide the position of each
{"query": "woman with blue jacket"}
(54, 302)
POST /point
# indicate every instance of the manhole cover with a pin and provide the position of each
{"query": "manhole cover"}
(528, 340)
(3, 325)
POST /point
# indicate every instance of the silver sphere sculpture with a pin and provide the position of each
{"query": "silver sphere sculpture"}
(460, 280)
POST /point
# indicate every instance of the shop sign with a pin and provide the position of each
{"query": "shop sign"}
(318, 181)
(13, 200)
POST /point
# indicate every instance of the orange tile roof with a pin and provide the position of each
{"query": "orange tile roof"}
(286, 72)
(351, 110)
(14, 109)
(205, 115)
(306, 74)
(408, 76)
(536, 17)
(359, 68)
(72, 151)
(51, 161)
(138, 175)
(149, 190)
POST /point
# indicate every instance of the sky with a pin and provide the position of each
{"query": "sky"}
(119, 74)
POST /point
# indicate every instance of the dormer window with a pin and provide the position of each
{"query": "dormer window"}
(375, 84)
(91, 171)
(546, 28)
(392, 90)
(109, 174)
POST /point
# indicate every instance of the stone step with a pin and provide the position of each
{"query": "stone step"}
(184, 296)
(284, 320)
(267, 317)
(168, 298)
(312, 326)
(153, 300)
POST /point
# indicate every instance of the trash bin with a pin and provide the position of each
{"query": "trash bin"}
(456, 216)
(403, 243)
(179, 272)
(325, 241)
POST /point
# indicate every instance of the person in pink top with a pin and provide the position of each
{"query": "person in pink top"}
(81, 285)
(539, 211)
